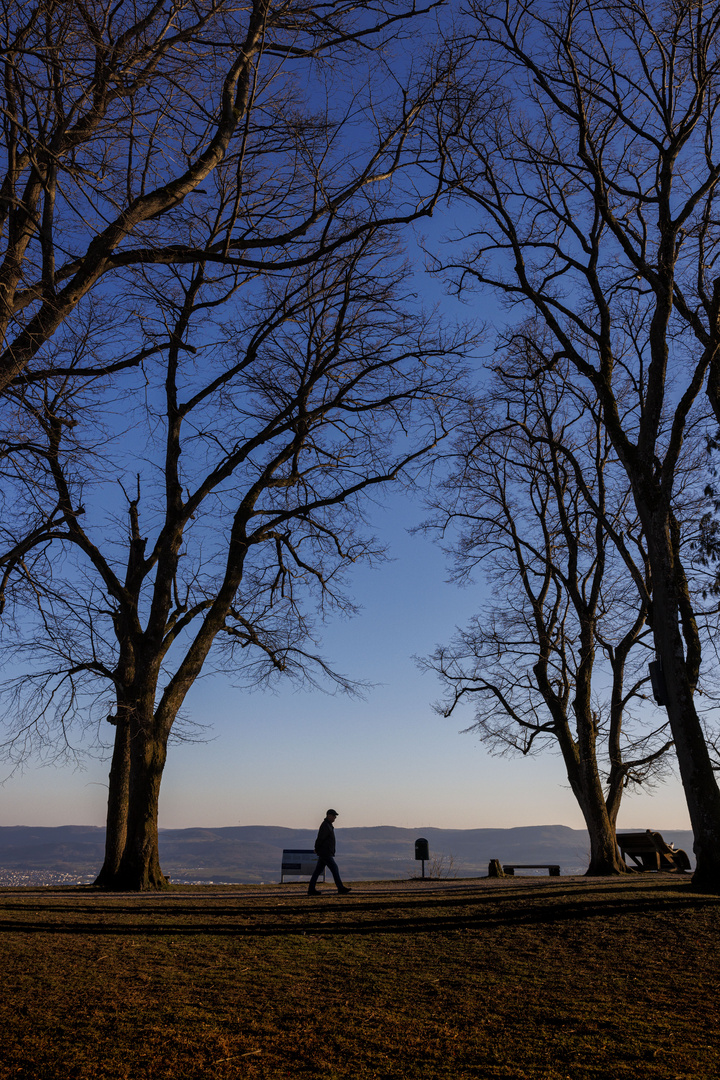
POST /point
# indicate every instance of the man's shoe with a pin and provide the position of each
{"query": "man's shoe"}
(314, 892)
(344, 890)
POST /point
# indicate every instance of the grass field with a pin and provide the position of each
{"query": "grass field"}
(544, 978)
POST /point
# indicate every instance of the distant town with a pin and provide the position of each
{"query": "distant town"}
(15, 879)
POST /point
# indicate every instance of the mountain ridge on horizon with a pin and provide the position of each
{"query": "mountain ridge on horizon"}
(253, 853)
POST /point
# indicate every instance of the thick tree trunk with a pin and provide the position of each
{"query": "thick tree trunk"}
(118, 803)
(696, 772)
(139, 868)
(133, 859)
(585, 782)
(605, 858)
(580, 757)
(582, 772)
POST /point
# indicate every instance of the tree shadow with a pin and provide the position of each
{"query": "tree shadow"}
(511, 907)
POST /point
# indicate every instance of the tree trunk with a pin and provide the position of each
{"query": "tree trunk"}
(118, 803)
(696, 772)
(605, 858)
(580, 757)
(139, 867)
(585, 782)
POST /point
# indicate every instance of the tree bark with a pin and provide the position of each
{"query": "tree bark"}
(117, 807)
(605, 858)
(139, 868)
(696, 771)
(582, 770)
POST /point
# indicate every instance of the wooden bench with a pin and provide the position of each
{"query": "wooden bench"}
(298, 862)
(553, 869)
(650, 852)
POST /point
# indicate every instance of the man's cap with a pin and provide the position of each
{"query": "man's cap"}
(332, 812)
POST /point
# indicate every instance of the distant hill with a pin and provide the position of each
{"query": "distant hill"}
(252, 853)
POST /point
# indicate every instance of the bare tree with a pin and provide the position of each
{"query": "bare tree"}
(117, 118)
(243, 451)
(556, 656)
(262, 147)
(591, 161)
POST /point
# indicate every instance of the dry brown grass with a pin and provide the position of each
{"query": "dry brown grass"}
(551, 978)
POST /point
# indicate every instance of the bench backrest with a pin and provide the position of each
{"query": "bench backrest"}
(650, 850)
(640, 841)
(301, 861)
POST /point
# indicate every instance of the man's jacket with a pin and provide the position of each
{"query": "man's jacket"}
(325, 843)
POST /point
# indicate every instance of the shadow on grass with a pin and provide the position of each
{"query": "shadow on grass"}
(380, 914)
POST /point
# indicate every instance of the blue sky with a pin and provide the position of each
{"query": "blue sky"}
(282, 758)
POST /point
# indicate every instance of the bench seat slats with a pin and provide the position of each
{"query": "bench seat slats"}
(553, 869)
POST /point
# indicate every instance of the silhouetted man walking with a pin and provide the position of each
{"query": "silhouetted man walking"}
(325, 851)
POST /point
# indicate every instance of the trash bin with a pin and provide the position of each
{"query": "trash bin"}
(422, 848)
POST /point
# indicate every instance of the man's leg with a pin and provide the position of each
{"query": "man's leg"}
(315, 875)
(333, 868)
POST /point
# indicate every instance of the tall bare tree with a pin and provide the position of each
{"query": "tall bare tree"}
(259, 146)
(240, 456)
(557, 654)
(590, 158)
